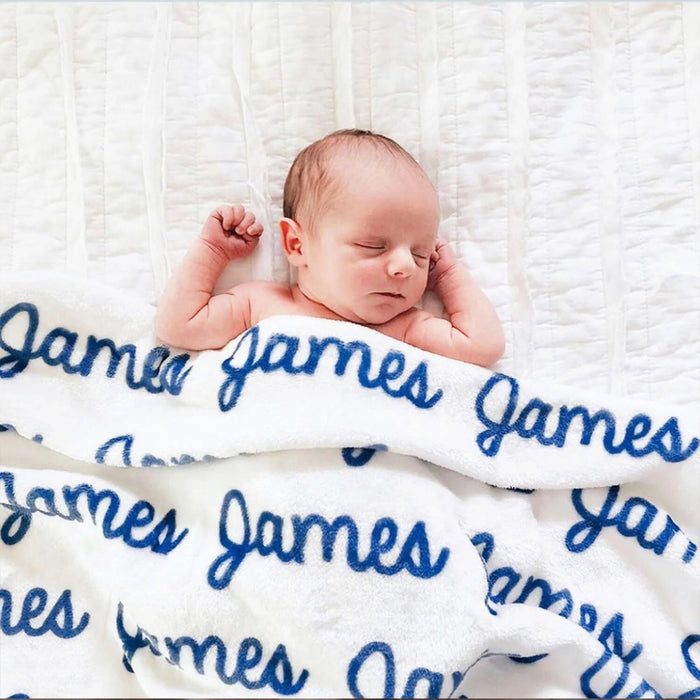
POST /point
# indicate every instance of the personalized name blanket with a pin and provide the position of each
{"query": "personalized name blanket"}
(318, 510)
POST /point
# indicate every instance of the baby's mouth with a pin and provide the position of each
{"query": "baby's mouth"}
(393, 295)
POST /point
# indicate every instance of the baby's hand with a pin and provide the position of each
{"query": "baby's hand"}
(442, 260)
(232, 230)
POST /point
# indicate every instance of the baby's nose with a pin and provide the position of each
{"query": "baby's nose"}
(401, 263)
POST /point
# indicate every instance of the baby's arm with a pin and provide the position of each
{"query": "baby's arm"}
(189, 315)
(473, 333)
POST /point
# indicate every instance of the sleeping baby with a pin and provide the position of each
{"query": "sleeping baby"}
(360, 225)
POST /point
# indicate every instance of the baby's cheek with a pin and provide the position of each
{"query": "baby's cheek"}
(368, 272)
(418, 288)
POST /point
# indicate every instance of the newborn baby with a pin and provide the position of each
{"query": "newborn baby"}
(360, 225)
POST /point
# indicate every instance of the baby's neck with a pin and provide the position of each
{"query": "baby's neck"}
(311, 306)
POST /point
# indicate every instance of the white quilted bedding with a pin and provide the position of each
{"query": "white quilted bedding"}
(563, 138)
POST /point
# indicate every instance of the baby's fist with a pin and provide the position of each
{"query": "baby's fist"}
(233, 231)
(442, 260)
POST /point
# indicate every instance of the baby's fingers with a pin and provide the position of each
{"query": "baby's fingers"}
(229, 216)
(245, 223)
(255, 230)
(439, 244)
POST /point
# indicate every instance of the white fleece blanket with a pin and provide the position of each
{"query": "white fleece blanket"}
(339, 514)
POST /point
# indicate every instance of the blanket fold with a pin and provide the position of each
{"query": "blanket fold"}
(335, 513)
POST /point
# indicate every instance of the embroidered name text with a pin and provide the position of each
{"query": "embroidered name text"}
(158, 371)
(413, 555)
(635, 518)
(501, 418)
(277, 673)
(58, 620)
(160, 538)
(280, 352)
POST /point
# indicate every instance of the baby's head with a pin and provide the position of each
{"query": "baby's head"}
(360, 222)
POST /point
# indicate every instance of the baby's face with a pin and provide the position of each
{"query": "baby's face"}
(368, 258)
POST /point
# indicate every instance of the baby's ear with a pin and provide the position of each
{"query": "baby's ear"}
(292, 241)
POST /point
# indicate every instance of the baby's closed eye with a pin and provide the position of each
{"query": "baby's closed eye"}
(371, 246)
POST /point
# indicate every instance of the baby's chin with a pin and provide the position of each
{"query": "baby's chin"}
(371, 310)
(377, 316)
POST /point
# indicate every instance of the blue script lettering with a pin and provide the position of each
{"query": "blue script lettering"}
(615, 691)
(160, 538)
(124, 444)
(504, 580)
(686, 645)
(431, 680)
(158, 372)
(689, 642)
(359, 456)
(57, 621)
(280, 353)
(633, 519)
(531, 422)
(277, 673)
(268, 539)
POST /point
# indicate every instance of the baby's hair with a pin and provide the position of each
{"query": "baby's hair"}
(311, 176)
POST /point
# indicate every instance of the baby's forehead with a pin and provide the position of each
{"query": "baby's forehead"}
(402, 198)
(363, 151)
(367, 168)
(363, 162)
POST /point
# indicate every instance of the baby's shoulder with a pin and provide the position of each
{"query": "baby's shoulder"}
(398, 327)
(266, 299)
(261, 287)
